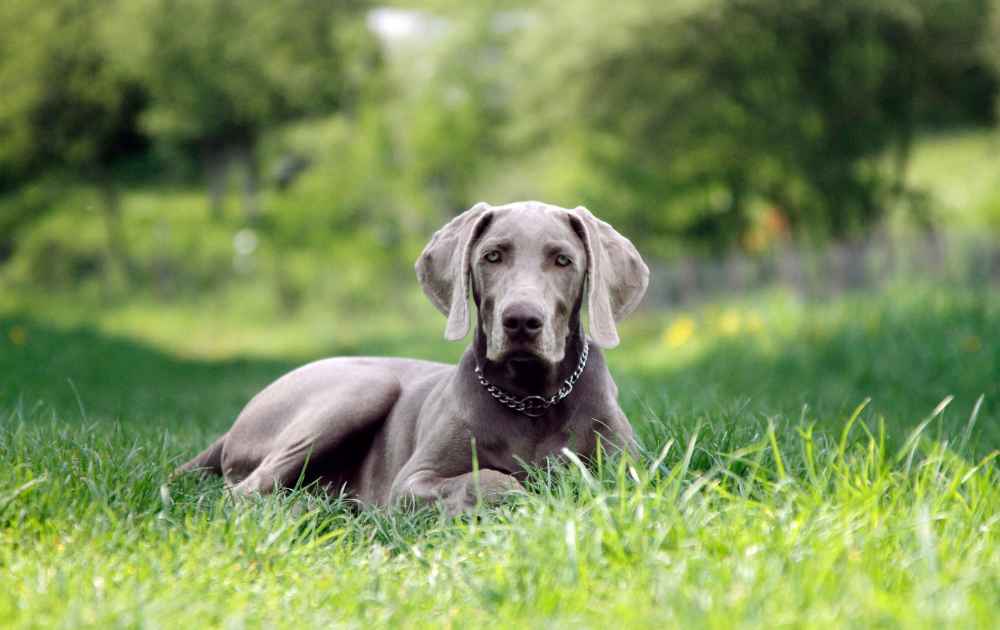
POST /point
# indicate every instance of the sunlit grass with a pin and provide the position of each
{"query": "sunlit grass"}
(859, 535)
(959, 170)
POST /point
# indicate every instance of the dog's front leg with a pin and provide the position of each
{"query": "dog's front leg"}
(459, 493)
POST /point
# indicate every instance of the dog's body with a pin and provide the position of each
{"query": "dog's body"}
(387, 429)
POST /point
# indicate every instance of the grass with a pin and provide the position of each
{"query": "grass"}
(958, 170)
(773, 492)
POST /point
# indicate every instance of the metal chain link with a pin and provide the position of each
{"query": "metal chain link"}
(534, 406)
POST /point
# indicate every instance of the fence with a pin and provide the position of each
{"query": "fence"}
(970, 259)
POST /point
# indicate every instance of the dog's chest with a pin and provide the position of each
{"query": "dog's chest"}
(530, 445)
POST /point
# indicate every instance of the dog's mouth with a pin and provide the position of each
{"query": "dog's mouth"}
(523, 358)
(526, 369)
(523, 354)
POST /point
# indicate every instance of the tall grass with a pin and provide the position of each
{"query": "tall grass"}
(860, 534)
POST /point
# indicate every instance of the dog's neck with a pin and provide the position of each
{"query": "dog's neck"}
(532, 378)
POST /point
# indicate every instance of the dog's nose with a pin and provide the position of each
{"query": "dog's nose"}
(522, 320)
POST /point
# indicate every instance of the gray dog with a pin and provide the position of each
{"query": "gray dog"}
(389, 430)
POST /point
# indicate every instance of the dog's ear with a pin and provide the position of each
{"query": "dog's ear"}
(443, 268)
(617, 277)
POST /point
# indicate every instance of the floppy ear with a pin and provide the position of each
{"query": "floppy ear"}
(443, 268)
(617, 277)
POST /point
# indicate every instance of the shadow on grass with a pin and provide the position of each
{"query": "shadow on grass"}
(81, 373)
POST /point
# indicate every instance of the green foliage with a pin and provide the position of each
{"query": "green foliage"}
(457, 110)
(71, 107)
(690, 125)
(991, 44)
(222, 71)
(74, 115)
(696, 113)
(97, 80)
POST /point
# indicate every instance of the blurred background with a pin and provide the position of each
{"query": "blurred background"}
(197, 196)
(257, 177)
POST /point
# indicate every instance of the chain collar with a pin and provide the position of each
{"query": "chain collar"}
(535, 406)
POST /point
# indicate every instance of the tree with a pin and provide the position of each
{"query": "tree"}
(693, 113)
(457, 108)
(69, 110)
(991, 45)
(221, 72)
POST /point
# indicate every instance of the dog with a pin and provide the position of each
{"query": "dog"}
(386, 431)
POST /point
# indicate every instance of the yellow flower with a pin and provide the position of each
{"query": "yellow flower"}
(972, 343)
(731, 323)
(679, 332)
(18, 335)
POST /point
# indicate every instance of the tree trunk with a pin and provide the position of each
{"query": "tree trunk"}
(216, 170)
(118, 254)
(736, 211)
(251, 182)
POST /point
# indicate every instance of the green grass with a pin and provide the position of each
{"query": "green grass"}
(770, 495)
(959, 171)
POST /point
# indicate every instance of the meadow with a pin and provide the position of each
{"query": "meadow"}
(808, 462)
(197, 196)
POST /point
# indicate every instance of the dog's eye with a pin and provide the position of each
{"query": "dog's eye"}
(563, 260)
(493, 256)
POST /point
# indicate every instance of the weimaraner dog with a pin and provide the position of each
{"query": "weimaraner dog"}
(390, 430)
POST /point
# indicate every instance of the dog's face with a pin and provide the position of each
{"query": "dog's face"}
(532, 266)
(528, 267)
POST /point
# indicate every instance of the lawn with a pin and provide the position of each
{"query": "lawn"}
(808, 463)
(958, 170)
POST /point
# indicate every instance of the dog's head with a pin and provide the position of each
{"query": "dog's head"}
(530, 267)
